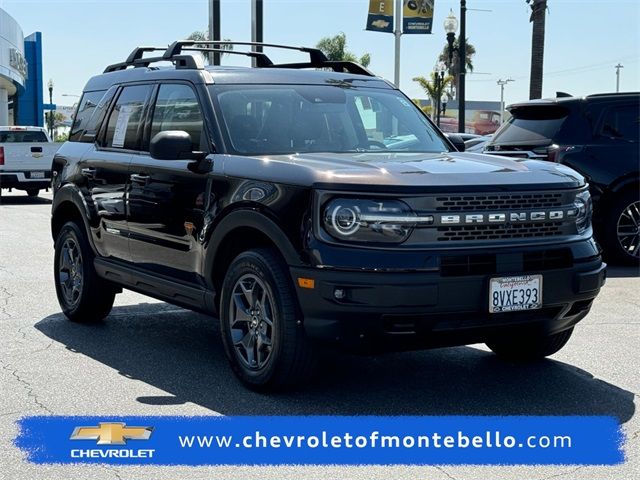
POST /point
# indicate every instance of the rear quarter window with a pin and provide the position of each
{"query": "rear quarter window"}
(36, 136)
(84, 113)
(532, 125)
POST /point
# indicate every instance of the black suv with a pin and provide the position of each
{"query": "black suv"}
(311, 203)
(598, 136)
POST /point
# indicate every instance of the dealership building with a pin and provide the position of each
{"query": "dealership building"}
(21, 94)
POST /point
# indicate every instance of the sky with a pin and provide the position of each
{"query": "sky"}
(585, 39)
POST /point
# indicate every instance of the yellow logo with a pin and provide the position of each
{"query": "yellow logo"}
(111, 433)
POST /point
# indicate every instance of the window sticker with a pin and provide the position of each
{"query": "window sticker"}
(121, 126)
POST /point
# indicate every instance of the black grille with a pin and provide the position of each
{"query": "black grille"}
(498, 202)
(499, 232)
(486, 264)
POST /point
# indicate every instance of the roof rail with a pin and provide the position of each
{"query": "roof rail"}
(315, 55)
(261, 59)
(180, 61)
(336, 66)
(317, 59)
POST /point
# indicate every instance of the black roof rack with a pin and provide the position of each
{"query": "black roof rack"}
(317, 59)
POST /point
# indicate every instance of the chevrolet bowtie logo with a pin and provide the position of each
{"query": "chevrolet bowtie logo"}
(111, 433)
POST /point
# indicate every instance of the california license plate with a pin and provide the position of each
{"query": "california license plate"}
(510, 294)
(37, 174)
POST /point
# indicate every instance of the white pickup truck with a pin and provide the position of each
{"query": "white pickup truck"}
(26, 155)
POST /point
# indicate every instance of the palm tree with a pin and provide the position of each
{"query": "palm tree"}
(454, 68)
(538, 12)
(434, 88)
(335, 48)
(204, 36)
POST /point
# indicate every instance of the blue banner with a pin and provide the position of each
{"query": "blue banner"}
(321, 440)
(417, 16)
(380, 18)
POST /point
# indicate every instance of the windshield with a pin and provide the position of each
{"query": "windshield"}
(531, 125)
(285, 119)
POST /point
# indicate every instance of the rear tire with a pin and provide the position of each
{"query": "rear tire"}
(83, 296)
(527, 348)
(621, 232)
(261, 325)
(33, 192)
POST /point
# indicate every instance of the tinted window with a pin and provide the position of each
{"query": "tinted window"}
(623, 123)
(125, 120)
(537, 125)
(89, 115)
(307, 118)
(23, 137)
(177, 109)
(86, 107)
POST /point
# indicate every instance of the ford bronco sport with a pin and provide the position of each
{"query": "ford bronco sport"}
(311, 203)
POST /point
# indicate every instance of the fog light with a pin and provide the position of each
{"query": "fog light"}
(340, 293)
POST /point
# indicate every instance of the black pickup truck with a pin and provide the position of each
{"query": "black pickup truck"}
(309, 207)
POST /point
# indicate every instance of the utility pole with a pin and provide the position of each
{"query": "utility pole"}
(256, 26)
(502, 83)
(398, 34)
(618, 67)
(462, 51)
(214, 29)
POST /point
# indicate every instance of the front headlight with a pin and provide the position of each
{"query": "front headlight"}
(584, 208)
(382, 221)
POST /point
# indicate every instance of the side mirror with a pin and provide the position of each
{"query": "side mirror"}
(457, 141)
(172, 145)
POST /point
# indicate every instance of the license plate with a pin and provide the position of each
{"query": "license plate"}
(37, 174)
(510, 294)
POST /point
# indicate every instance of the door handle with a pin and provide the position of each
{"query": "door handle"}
(89, 172)
(36, 149)
(138, 178)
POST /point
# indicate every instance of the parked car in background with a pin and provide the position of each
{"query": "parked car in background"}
(477, 144)
(598, 136)
(26, 155)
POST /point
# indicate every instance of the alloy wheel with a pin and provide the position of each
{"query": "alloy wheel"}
(70, 271)
(628, 229)
(251, 321)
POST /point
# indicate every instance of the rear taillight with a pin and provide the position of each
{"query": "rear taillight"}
(1, 155)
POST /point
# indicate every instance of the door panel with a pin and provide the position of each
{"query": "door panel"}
(166, 214)
(104, 177)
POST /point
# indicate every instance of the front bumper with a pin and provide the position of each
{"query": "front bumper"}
(391, 310)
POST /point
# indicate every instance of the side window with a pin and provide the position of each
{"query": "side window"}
(85, 110)
(125, 122)
(177, 109)
(622, 123)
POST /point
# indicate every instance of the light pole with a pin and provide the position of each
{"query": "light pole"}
(502, 83)
(618, 67)
(451, 27)
(398, 33)
(438, 75)
(462, 52)
(50, 85)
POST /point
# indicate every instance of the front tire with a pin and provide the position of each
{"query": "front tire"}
(260, 323)
(83, 296)
(528, 348)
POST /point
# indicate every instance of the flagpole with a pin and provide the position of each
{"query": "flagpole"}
(398, 34)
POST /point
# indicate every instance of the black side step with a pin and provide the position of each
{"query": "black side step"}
(187, 296)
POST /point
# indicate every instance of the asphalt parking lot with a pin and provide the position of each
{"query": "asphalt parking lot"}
(151, 358)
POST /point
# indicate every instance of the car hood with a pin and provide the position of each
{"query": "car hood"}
(406, 169)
